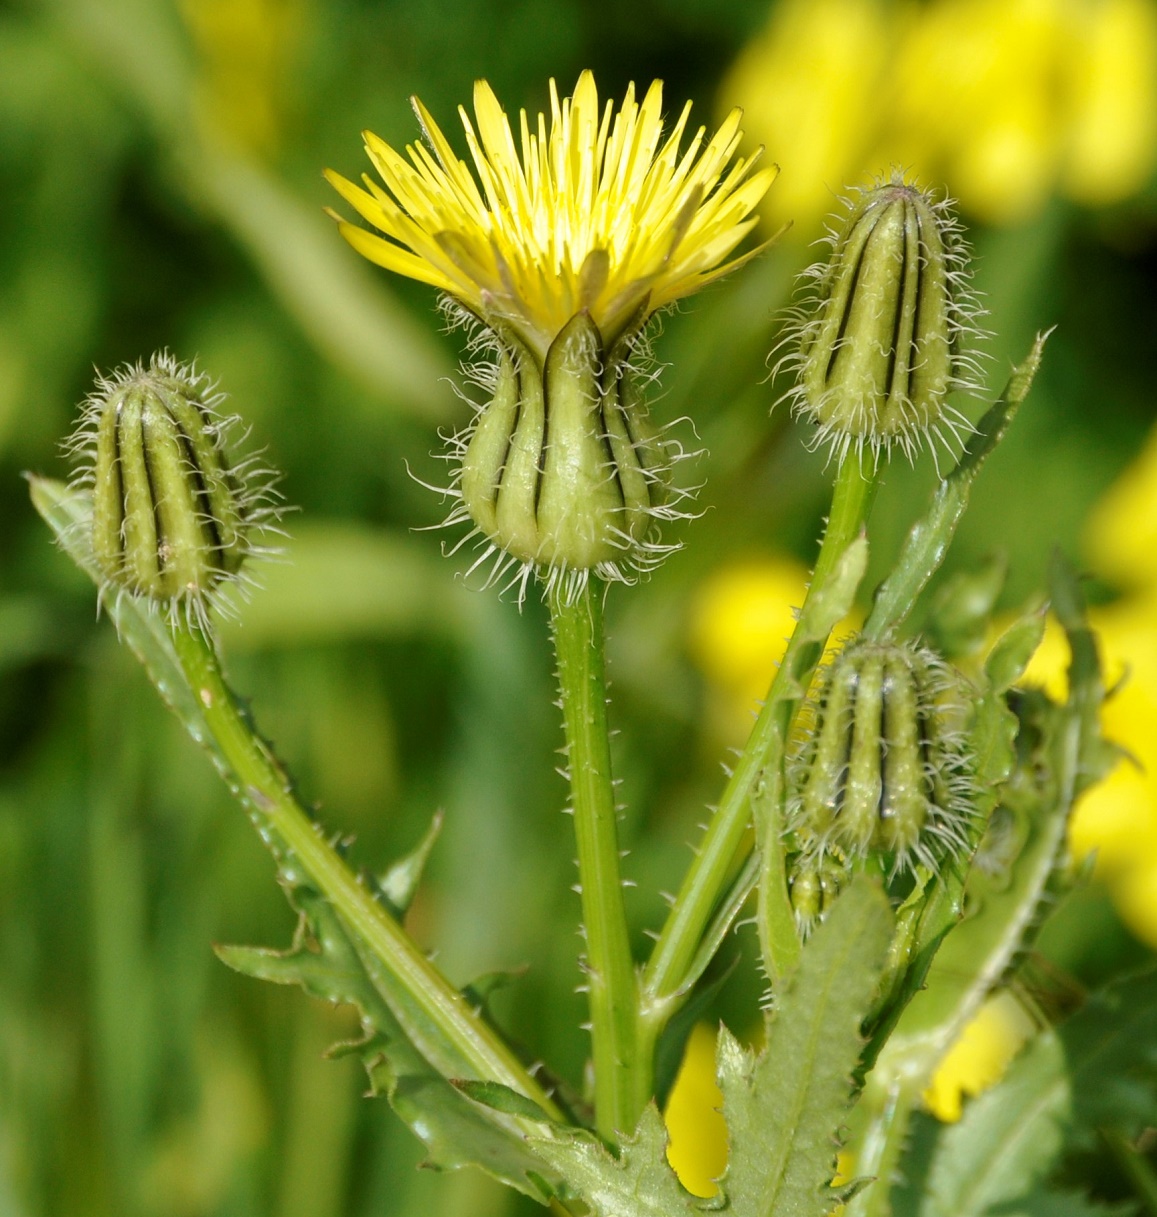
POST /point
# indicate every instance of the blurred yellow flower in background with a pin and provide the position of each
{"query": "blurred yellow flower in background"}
(803, 84)
(740, 622)
(1009, 101)
(980, 1056)
(697, 1147)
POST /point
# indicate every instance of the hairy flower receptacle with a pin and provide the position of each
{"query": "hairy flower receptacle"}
(878, 349)
(562, 470)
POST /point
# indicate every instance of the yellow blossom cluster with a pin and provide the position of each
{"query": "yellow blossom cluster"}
(597, 208)
(1010, 101)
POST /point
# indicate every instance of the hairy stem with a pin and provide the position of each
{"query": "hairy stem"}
(621, 1079)
(723, 841)
(456, 1037)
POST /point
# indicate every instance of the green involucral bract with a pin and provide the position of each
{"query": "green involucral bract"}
(562, 471)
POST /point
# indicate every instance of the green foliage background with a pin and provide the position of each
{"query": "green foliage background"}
(145, 207)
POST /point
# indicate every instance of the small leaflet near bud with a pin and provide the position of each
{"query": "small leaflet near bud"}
(562, 472)
(883, 769)
(173, 521)
(880, 344)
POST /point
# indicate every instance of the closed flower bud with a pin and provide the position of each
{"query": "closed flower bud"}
(816, 880)
(172, 520)
(879, 346)
(561, 471)
(883, 770)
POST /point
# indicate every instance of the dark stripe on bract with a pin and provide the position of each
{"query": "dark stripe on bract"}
(849, 300)
(605, 439)
(882, 742)
(510, 433)
(898, 314)
(921, 270)
(923, 715)
(845, 729)
(162, 564)
(201, 492)
(540, 462)
(118, 473)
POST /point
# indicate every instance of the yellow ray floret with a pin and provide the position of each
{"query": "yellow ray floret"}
(603, 211)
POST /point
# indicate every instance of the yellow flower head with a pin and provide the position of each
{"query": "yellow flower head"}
(603, 212)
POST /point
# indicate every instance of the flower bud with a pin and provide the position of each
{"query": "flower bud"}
(171, 520)
(816, 881)
(883, 770)
(562, 471)
(877, 350)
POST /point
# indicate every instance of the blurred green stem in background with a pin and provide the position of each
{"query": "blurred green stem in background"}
(622, 1078)
(665, 976)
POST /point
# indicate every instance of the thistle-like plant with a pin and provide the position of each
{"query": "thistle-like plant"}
(850, 823)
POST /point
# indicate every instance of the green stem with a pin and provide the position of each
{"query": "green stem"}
(463, 1038)
(879, 1149)
(852, 499)
(775, 920)
(620, 1082)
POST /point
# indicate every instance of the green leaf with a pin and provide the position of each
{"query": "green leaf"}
(1007, 1139)
(399, 884)
(456, 1132)
(1010, 655)
(930, 536)
(1097, 1072)
(1111, 1044)
(785, 1109)
(962, 609)
(638, 1183)
(320, 960)
(501, 1098)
